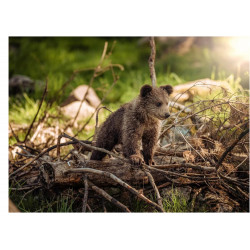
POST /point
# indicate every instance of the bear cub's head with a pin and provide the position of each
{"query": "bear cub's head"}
(156, 100)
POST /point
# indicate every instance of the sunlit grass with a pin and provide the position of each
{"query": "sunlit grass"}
(24, 109)
(176, 203)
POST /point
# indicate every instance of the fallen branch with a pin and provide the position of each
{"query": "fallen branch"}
(186, 165)
(116, 179)
(85, 198)
(43, 153)
(152, 181)
(231, 147)
(108, 197)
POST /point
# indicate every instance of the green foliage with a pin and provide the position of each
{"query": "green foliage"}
(23, 110)
(176, 203)
(57, 58)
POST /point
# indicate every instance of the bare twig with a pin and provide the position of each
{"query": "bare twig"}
(40, 105)
(97, 69)
(43, 153)
(189, 116)
(97, 113)
(152, 181)
(103, 98)
(185, 165)
(39, 127)
(86, 190)
(89, 208)
(151, 61)
(231, 147)
(91, 147)
(169, 173)
(14, 134)
(116, 179)
(191, 145)
(108, 197)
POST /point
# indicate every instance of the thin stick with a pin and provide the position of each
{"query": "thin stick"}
(103, 98)
(185, 165)
(92, 147)
(189, 116)
(151, 179)
(39, 127)
(97, 113)
(86, 191)
(14, 134)
(116, 179)
(58, 147)
(91, 80)
(43, 153)
(89, 208)
(191, 145)
(108, 197)
(151, 61)
(40, 105)
(231, 147)
(204, 177)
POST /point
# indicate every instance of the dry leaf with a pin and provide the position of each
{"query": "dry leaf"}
(196, 143)
(188, 156)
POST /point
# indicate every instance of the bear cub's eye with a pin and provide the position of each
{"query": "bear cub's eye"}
(158, 104)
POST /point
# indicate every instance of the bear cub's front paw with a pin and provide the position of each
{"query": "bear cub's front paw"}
(136, 159)
(151, 162)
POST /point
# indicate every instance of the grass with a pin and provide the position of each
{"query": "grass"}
(40, 201)
(176, 203)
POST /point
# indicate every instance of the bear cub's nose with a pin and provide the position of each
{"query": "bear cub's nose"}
(167, 115)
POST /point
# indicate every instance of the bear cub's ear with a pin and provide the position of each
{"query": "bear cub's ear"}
(145, 89)
(168, 88)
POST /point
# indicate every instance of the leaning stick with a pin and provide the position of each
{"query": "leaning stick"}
(14, 134)
(231, 147)
(87, 146)
(40, 105)
(152, 182)
(151, 61)
(44, 152)
(118, 180)
(86, 191)
(91, 81)
(108, 197)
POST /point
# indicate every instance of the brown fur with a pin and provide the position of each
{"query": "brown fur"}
(136, 124)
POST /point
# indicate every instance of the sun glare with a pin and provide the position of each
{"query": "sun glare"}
(241, 46)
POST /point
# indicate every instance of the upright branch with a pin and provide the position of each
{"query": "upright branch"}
(151, 61)
(97, 69)
(40, 105)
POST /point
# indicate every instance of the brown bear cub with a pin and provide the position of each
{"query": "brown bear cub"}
(136, 124)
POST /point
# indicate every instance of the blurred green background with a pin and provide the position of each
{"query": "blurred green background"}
(178, 60)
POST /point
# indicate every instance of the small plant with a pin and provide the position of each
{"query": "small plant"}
(176, 202)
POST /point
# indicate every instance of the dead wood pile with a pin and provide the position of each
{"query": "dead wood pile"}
(206, 149)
